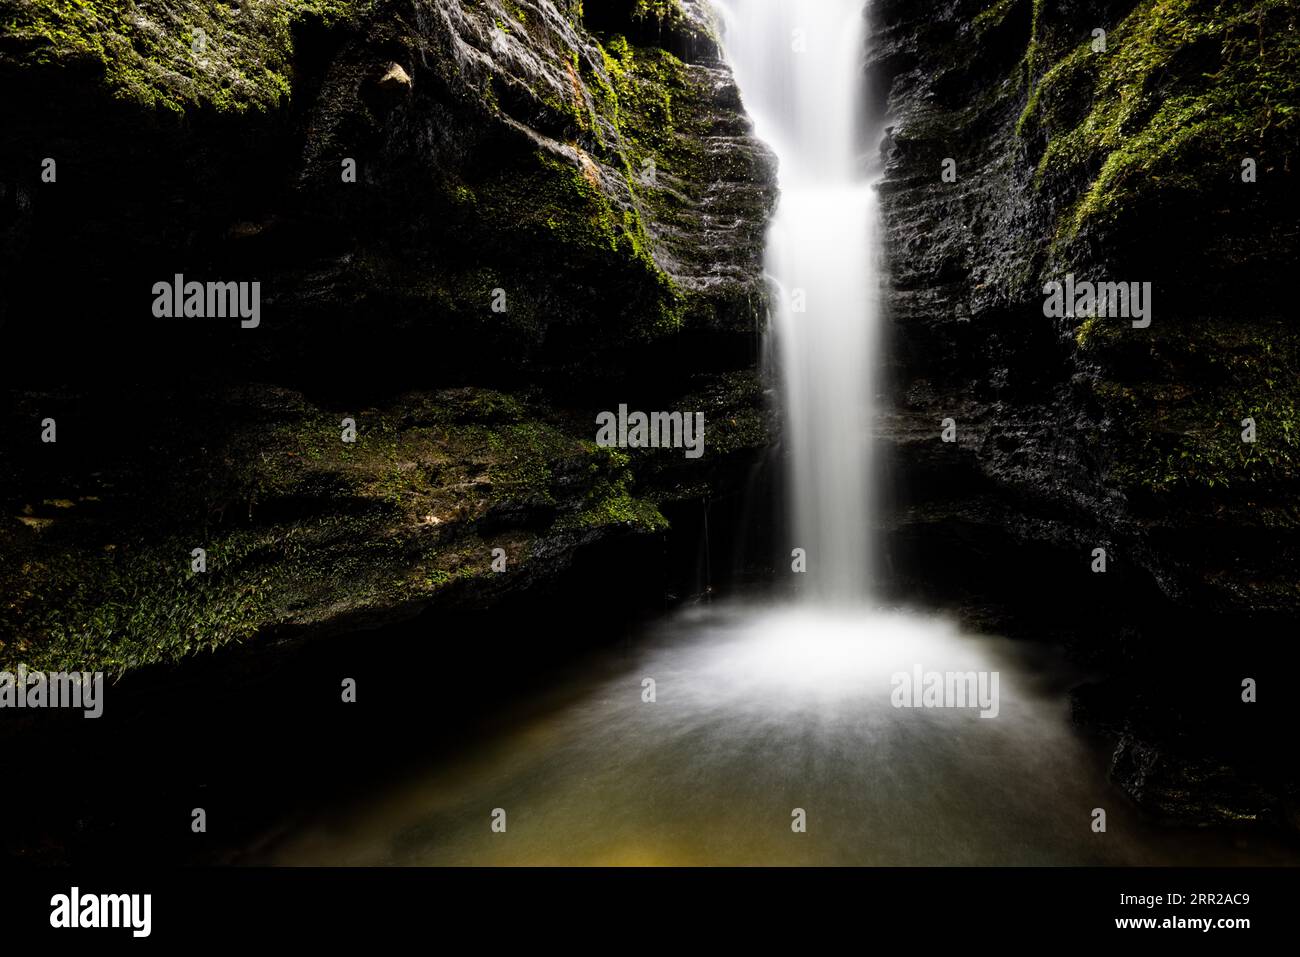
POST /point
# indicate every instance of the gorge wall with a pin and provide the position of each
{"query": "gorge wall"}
(1118, 164)
(553, 211)
(590, 168)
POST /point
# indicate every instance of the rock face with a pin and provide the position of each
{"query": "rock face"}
(1107, 139)
(474, 226)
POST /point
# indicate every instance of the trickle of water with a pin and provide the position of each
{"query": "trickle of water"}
(799, 68)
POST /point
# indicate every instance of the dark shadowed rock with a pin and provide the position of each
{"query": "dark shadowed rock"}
(473, 225)
(1075, 434)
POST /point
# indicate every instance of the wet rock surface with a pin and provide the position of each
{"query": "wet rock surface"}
(1073, 434)
(474, 226)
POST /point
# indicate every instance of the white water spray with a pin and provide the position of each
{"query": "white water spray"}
(799, 67)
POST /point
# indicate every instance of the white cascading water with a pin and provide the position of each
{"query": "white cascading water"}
(799, 67)
(763, 707)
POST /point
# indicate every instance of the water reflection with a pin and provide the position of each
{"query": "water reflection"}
(758, 711)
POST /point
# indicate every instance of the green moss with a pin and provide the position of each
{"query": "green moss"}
(610, 501)
(146, 50)
(1186, 431)
(1184, 91)
(1034, 52)
(661, 11)
(575, 198)
(639, 86)
(1088, 331)
(994, 15)
(648, 96)
(490, 95)
(125, 606)
(301, 528)
(591, 190)
(563, 203)
(1149, 135)
(1069, 80)
(620, 508)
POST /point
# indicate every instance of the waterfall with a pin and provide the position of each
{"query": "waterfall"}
(799, 67)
